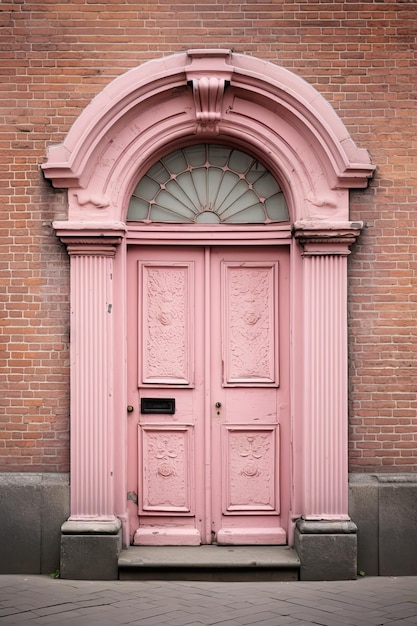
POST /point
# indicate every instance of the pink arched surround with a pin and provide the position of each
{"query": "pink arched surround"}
(198, 96)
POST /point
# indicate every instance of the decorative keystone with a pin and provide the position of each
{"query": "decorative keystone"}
(208, 98)
(208, 87)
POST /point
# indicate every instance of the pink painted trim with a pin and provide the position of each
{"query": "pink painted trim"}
(288, 125)
(100, 156)
(207, 452)
(208, 235)
(143, 82)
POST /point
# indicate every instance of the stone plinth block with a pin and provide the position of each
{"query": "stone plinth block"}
(90, 554)
(327, 550)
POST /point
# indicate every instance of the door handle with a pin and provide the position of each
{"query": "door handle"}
(218, 405)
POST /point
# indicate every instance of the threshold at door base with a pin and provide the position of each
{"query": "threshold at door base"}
(160, 536)
(217, 563)
(251, 536)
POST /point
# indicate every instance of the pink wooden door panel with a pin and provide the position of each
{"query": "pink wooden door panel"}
(250, 322)
(166, 317)
(246, 290)
(166, 330)
(166, 474)
(205, 330)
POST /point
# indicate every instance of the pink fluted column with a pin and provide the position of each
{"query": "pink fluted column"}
(325, 399)
(92, 373)
(325, 377)
(325, 538)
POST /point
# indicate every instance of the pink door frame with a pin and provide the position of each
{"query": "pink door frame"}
(199, 96)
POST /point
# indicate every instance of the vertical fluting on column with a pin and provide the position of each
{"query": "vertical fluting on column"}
(325, 376)
(91, 385)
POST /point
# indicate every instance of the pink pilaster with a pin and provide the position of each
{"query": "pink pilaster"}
(325, 404)
(92, 367)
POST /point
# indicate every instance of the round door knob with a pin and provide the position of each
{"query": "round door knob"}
(130, 408)
(218, 405)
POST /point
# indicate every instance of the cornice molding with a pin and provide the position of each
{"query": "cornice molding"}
(326, 238)
(72, 163)
(90, 239)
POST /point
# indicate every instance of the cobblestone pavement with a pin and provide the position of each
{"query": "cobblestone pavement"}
(42, 600)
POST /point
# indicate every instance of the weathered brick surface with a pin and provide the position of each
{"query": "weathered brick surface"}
(55, 56)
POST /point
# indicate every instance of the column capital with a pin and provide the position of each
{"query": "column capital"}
(324, 238)
(92, 239)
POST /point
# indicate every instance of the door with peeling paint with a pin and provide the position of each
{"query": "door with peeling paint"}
(208, 362)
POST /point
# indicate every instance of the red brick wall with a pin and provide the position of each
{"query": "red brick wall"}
(55, 56)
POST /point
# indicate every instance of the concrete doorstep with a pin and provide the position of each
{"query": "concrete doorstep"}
(212, 563)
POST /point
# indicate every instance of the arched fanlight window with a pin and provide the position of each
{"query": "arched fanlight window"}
(208, 184)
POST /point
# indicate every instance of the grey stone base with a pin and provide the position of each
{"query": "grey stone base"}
(90, 551)
(384, 508)
(327, 550)
(32, 510)
(33, 507)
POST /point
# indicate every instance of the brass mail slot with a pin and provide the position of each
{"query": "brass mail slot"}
(157, 405)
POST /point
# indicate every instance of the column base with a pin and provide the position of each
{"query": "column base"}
(90, 550)
(327, 550)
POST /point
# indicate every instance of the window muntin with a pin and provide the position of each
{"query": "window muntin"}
(208, 184)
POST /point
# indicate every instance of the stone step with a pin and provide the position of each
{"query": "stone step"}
(227, 563)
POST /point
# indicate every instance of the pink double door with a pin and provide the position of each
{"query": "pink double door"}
(208, 377)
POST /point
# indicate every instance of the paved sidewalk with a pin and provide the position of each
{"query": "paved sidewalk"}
(42, 600)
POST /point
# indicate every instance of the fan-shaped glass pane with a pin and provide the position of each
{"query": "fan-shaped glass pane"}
(175, 162)
(218, 155)
(276, 207)
(208, 184)
(158, 173)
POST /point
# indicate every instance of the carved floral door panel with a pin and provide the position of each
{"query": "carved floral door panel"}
(208, 350)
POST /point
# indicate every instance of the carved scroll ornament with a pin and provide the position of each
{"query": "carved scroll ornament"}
(208, 98)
